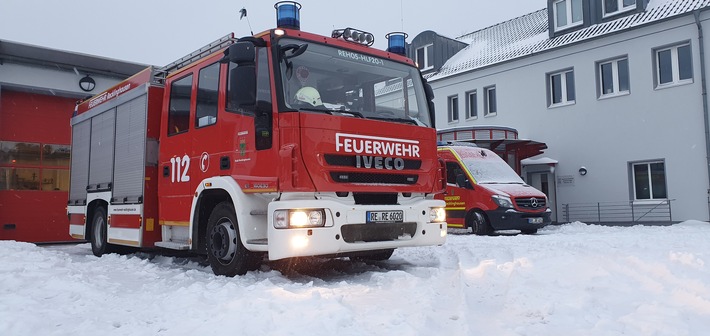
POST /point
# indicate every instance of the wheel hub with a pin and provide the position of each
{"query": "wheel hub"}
(223, 241)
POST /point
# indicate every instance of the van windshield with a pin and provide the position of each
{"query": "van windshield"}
(338, 81)
(492, 170)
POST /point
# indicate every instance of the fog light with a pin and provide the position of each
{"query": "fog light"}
(437, 215)
(298, 243)
(281, 219)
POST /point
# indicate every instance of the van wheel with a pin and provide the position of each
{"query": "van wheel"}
(529, 231)
(225, 251)
(99, 234)
(479, 224)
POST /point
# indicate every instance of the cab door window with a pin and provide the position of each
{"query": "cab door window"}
(179, 110)
(453, 169)
(207, 95)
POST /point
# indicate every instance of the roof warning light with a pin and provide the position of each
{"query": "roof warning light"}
(288, 14)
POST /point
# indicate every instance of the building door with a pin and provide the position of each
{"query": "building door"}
(545, 182)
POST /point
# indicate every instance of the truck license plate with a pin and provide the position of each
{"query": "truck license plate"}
(394, 216)
(535, 220)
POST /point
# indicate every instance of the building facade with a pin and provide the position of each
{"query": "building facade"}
(39, 88)
(617, 91)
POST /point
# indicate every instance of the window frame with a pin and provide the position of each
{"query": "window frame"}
(471, 107)
(616, 78)
(428, 63)
(176, 130)
(452, 103)
(568, 14)
(619, 8)
(633, 181)
(564, 88)
(675, 65)
(487, 111)
(200, 93)
(46, 168)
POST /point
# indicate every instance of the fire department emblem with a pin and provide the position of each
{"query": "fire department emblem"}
(204, 162)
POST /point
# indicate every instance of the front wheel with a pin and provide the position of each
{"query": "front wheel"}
(225, 251)
(479, 224)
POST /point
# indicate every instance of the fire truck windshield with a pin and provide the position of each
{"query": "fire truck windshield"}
(339, 81)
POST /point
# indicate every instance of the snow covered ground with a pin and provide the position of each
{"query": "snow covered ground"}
(574, 279)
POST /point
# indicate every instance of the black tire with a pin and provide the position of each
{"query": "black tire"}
(99, 234)
(528, 231)
(380, 255)
(479, 224)
(225, 251)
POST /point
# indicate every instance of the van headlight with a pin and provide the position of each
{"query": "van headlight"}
(299, 218)
(437, 215)
(502, 201)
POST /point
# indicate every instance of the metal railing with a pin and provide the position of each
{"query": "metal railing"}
(624, 212)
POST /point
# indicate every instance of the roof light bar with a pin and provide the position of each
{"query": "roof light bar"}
(396, 43)
(354, 35)
(288, 14)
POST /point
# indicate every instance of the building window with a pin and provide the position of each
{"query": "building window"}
(471, 105)
(674, 65)
(560, 88)
(207, 85)
(489, 101)
(453, 108)
(612, 7)
(613, 77)
(33, 166)
(425, 57)
(179, 112)
(568, 13)
(649, 180)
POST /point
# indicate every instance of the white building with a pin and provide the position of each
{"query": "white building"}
(615, 88)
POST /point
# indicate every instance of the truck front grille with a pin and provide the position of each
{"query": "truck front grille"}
(351, 177)
(376, 232)
(531, 203)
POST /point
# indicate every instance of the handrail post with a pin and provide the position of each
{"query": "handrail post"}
(599, 212)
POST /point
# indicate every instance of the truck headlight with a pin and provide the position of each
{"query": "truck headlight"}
(299, 218)
(437, 215)
(502, 201)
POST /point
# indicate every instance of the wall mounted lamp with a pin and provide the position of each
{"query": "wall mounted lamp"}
(87, 83)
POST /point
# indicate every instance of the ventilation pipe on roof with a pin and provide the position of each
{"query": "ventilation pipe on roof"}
(703, 83)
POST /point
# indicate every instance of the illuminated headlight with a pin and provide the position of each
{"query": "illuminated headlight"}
(299, 218)
(437, 215)
(502, 201)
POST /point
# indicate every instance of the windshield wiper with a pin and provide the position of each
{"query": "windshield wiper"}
(400, 120)
(310, 109)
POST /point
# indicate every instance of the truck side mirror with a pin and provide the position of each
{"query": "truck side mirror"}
(242, 78)
(462, 182)
(429, 92)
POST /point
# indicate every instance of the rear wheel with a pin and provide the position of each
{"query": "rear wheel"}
(479, 224)
(99, 234)
(225, 251)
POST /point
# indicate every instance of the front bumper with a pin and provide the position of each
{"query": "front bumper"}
(349, 232)
(511, 219)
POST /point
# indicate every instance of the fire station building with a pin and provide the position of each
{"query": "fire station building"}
(39, 88)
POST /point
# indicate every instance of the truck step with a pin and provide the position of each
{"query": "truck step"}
(262, 241)
(258, 212)
(173, 245)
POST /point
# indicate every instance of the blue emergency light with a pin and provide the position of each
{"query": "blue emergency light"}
(288, 14)
(396, 44)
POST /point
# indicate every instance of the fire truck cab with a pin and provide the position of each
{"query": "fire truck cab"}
(485, 194)
(282, 144)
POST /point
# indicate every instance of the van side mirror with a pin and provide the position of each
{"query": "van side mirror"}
(462, 182)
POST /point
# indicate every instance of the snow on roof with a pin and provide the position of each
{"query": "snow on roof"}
(528, 34)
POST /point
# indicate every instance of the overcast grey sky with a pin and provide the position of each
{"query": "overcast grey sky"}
(160, 31)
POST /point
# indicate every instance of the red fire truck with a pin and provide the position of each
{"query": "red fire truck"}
(282, 144)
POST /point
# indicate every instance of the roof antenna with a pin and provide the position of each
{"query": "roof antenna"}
(401, 12)
(243, 14)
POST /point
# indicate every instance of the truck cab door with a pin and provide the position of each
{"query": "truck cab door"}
(176, 167)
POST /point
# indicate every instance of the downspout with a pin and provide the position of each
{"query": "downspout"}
(703, 81)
